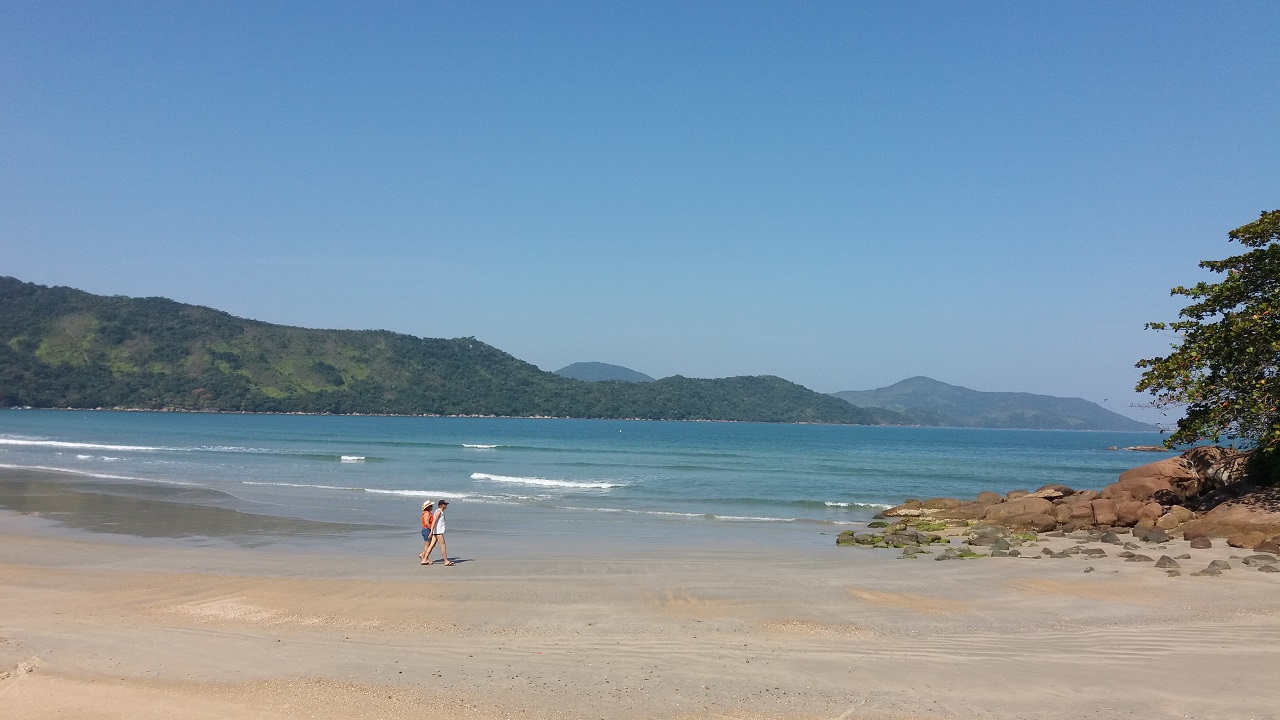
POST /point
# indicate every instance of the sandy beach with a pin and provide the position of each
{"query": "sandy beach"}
(103, 617)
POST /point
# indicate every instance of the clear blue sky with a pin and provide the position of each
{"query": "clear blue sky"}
(996, 195)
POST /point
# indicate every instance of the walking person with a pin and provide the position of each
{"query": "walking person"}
(428, 519)
(437, 535)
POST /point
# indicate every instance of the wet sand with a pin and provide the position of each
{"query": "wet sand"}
(110, 609)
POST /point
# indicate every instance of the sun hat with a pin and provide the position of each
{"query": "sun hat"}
(427, 504)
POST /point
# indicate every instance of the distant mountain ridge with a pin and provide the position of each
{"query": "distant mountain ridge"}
(931, 402)
(61, 347)
(601, 372)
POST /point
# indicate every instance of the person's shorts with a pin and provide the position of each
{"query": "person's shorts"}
(426, 535)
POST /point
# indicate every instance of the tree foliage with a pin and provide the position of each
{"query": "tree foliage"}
(1223, 368)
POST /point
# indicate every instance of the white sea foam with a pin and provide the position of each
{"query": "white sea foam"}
(668, 513)
(874, 506)
(378, 491)
(82, 457)
(353, 458)
(545, 482)
(480, 447)
(73, 445)
(299, 485)
(104, 476)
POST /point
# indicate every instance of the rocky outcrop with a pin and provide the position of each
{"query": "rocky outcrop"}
(1202, 493)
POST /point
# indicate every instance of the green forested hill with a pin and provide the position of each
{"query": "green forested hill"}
(61, 347)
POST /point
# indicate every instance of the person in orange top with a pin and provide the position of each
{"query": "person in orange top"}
(428, 519)
(437, 535)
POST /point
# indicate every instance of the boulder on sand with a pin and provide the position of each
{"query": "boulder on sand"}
(1231, 519)
(1026, 512)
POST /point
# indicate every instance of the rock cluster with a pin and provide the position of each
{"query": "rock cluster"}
(1198, 495)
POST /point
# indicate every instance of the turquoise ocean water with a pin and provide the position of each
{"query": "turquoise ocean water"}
(589, 477)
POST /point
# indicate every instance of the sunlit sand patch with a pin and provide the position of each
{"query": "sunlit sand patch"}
(1093, 590)
(813, 627)
(232, 609)
(684, 604)
(910, 601)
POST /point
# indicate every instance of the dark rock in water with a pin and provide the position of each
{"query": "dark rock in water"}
(1126, 554)
(1259, 560)
(1174, 573)
(1268, 569)
(1055, 533)
(1167, 562)
(1131, 546)
(1094, 552)
(999, 553)
(878, 524)
(1001, 544)
(1071, 551)
(1089, 569)
(1139, 558)
(983, 540)
(1015, 552)
(1184, 556)
(1268, 546)
(1110, 537)
(1201, 543)
(1220, 564)
(1209, 571)
(1046, 551)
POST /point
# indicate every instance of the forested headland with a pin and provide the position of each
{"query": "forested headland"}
(61, 347)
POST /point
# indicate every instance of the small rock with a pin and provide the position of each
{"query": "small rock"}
(1130, 546)
(1055, 533)
(1000, 544)
(1110, 537)
(878, 524)
(1138, 558)
(1174, 573)
(1184, 556)
(999, 553)
(1015, 552)
(1089, 569)
(1268, 569)
(1095, 552)
(1209, 571)
(1126, 554)
(1220, 565)
(1201, 543)
(1046, 551)
(1260, 560)
(1167, 562)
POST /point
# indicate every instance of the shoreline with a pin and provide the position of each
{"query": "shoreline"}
(106, 625)
(1154, 428)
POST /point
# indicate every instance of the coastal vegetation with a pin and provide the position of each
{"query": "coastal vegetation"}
(1223, 368)
(61, 347)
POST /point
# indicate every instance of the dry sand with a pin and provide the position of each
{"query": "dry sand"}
(96, 625)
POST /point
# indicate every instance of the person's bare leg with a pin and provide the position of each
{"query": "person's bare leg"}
(426, 554)
(445, 552)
